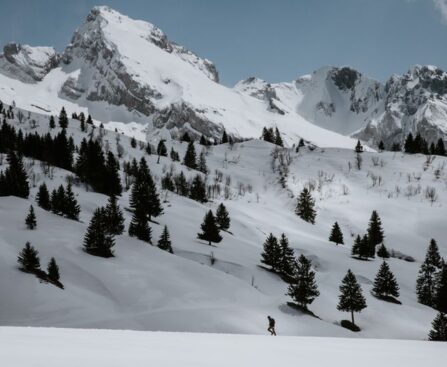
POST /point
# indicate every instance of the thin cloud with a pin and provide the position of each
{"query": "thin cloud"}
(442, 6)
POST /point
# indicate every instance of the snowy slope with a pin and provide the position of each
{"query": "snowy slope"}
(146, 289)
(117, 348)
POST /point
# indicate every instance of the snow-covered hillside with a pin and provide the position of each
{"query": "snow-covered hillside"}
(117, 348)
(221, 288)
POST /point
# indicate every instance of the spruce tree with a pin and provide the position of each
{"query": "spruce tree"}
(287, 259)
(409, 144)
(351, 298)
(359, 147)
(222, 217)
(210, 231)
(224, 137)
(63, 119)
(336, 234)
(203, 140)
(161, 149)
(385, 283)
(30, 219)
(198, 190)
(97, 241)
(139, 225)
(303, 288)
(278, 139)
(15, 179)
(202, 166)
(185, 138)
(440, 298)
(382, 252)
(43, 197)
(375, 231)
(71, 207)
(440, 148)
(190, 159)
(174, 155)
(356, 246)
(52, 123)
(305, 207)
(433, 257)
(381, 146)
(271, 255)
(114, 217)
(181, 185)
(28, 259)
(439, 328)
(366, 250)
(164, 242)
(133, 142)
(112, 176)
(426, 284)
(53, 270)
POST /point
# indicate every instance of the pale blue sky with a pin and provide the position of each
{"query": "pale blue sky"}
(274, 40)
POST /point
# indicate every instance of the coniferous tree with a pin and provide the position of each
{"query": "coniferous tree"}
(82, 121)
(222, 217)
(210, 231)
(58, 200)
(164, 242)
(303, 288)
(439, 328)
(305, 208)
(356, 247)
(366, 250)
(409, 144)
(14, 181)
(385, 283)
(268, 135)
(133, 142)
(181, 185)
(161, 149)
(382, 252)
(203, 140)
(375, 231)
(381, 146)
(359, 147)
(71, 209)
(440, 148)
(52, 123)
(114, 217)
(43, 197)
(198, 190)
(28, 259)
(202, 166)
(190, 159)
(336, 234)
(426, 281)
(351, 298)
(53, 270)
(271, 255)
(89, 120)
(224, 137)
(63, 119)
(97, 241)
(278, 139)
(30, 219)
(185, 138)
(440, 298)
(174, 155)
(139, 225)
(112, 176)
(287, 260)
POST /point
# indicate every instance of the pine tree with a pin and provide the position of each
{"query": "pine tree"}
(382, 252)
(114, 217)
(336, 234)
(71, 207)
(385, 283)
(271, 255)
(198, 190)
(97, 241)
(440, 298)
(63, 119)
(222, 217)
(30, 219)
(375, 231)
(278, 139)
(439, 328)
(224, 137)
(161, 149)
(351, 298)
(287, 259)
(190, 159)
(210, 231)
(52, 123)
(29, 259)
(303, 289)
(359, 147)
(139, 226)
(43, 197)
(164, 242)
(53, 270)
(305, 208)
(202, 166)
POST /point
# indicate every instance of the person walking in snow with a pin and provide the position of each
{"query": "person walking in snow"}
(271, 327)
